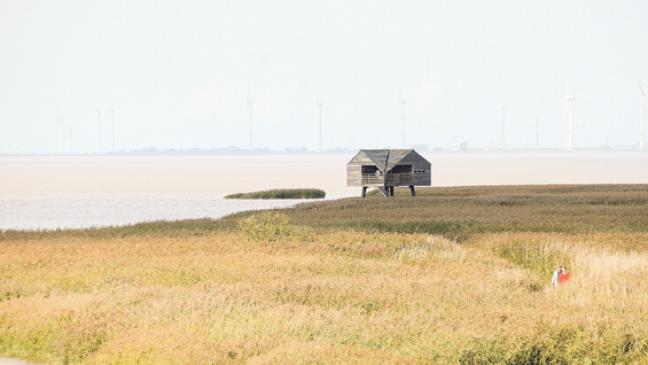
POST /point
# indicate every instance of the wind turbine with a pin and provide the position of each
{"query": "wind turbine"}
(643, 98)
(320, 106)
(537, 132)
(402, 103)
(569, 108)
(250, 104)
(68, 128)
(61, 127)
(112, 117)
(503, 126)
(99, 130)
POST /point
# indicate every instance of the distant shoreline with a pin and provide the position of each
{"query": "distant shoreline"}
(332, 152)
(293, 203)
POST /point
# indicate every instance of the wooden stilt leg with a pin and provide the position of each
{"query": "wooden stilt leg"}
(364, 192)
(412, 190)
(391, 191)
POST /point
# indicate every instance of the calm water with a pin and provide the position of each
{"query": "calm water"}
(56, 192)
(72, 213)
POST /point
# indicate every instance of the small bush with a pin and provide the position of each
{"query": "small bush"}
(486, 352)
(265, 226)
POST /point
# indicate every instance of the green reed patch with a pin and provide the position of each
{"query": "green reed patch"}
(560, 346)
(281, 194)
(541, 258)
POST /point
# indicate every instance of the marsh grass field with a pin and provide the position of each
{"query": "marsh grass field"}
(455, 275)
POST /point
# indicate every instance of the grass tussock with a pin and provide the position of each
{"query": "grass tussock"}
(265, 226)
(319, 287)
(540, 257)
(281, 194)
(434, 247)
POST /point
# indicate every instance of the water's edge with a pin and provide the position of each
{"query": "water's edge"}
(47, 215)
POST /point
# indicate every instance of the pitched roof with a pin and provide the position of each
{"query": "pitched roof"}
(384, 159)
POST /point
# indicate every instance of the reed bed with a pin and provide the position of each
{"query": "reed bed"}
(202, 292)
(281, 194)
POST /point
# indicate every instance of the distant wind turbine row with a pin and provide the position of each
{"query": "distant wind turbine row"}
(567, 117)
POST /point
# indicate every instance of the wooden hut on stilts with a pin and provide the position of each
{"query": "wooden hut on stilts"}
(385, 169)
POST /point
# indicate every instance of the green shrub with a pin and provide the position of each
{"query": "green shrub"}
(265, 226)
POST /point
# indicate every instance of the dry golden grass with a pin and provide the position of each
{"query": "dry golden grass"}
(455, 276)
(334, 297)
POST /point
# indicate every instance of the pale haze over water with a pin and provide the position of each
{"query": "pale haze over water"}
(50, 192)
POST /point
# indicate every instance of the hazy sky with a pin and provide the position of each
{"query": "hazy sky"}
(177, 73)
